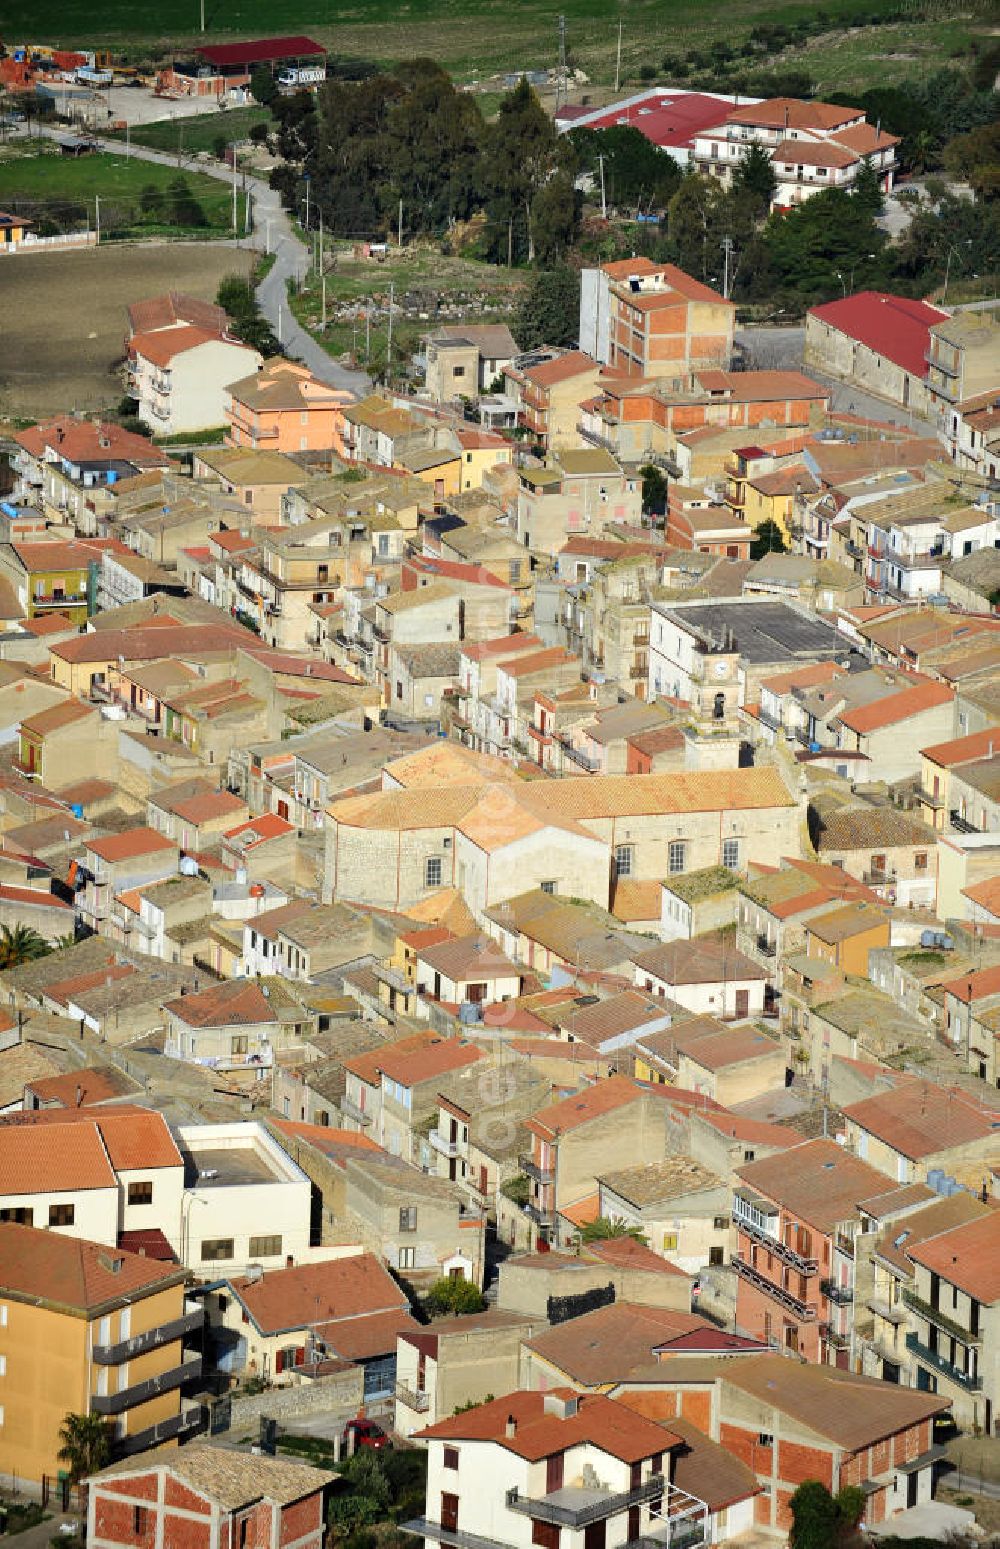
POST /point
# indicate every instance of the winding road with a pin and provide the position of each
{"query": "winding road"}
(272, 232)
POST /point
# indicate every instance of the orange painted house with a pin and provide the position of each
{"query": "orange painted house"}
(284, 408)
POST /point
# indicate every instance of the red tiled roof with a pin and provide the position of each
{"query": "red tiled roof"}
(71, 1272)
(261, 50)
(964, 750)
(897, 707)
(267, 826)
(792, 113)
(539, 1432)
(968, 1256)
(592, 1103)
(234, 1003)
(551, 372)
(970, 987)
(133, 1137)
(283, 1300)
(162, 346)
(31, 895)
(893, 326)
(127, 846)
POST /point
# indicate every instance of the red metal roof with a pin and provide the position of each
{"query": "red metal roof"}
(261, 51)
(893, 326)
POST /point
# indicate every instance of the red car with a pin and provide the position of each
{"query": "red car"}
(366, 1434)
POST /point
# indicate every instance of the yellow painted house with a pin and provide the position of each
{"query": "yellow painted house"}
(53, 576)
(84, 1327)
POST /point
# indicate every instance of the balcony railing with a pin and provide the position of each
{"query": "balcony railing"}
(805, 1311)
(942, 1321)
(835, 1339)
(880, 877)
(414, 1398)
(841, 1295)
(766, 948)
(152, 1339)
(532, 1170)
(186, 1424)
(142, 1392)
(779, 1249)
(967, 1380)
(892, 1314)
(545, 1508)
(445, 1147)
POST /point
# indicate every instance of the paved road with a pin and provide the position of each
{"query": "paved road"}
(272, 232)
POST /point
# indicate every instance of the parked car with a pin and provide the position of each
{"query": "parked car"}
(366, 1434)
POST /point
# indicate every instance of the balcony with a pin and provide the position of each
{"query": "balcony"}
(414, 1398)
(152, 1339)
(880, 877)
(971, 1384)
(577, 1507)
(540, 1214)
(452, 1537)
(531, 1169)
(351, 1110)
(446, 1148)
(142, 1392)
(834, 1338)
(765, 948)
(939, 1319)
(181, 1426)
(773, 1245)
(931, 799)
(57, 599)
(736, 494)
(893, 1314)
(840, 1295)
(805, 1311)
(577, 755)
(961, 824)
(855, 550)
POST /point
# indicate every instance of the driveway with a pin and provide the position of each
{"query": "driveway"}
(272, 232)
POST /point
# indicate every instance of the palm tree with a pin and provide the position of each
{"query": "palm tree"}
(21, 945)
(605, 1227)
(86, 1445)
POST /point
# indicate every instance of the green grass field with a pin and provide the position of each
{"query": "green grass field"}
(48, 186)
(199, 132)
(475, 38)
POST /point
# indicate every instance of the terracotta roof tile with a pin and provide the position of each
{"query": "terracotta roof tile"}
(605, 1424)
(968, 1256)
(283, 1300)
(129, 845)
(49, 1267)
(897, 707)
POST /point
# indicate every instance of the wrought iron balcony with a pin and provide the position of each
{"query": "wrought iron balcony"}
(805, 1311)
(142, 1392)
(841, 1295)
(779, 1249)
(558, 1506)
(971, 1383)
(934, 1315)
(530, 1167)
(152, 1339)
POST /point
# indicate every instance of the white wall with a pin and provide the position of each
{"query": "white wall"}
(95, 1211)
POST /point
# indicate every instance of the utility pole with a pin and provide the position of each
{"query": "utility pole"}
(368, 331)
(604, 202)
(246, 213)
(128, 143)
(307, 201)
(618, 61)
(203, 15)
(561, 77)
(97, 214)
(400, 240)
(388, 343)
(323, 286)
(234, 206)
(727, 248)
(321, 240)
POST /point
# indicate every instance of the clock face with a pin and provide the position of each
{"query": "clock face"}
(721, 670)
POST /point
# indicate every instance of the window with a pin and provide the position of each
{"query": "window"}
(432, 871)
(138, 1521)
(676, 856)
(731, 854)
(721, 1223)
(239, 1044)
(920, 860)
(765, 1439)
(24, 1215)
(216, 1249)
(670, 1242)
(265, 1247)
(61, 1215)
(3, 1366)
(716, 1256)
(407, 1218)
(547, 887)
(449, 1457)
(624, 858)
(407, 1258)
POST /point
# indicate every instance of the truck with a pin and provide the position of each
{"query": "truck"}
(98, 80)
(302, 75)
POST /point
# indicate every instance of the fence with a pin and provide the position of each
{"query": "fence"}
(65, 240)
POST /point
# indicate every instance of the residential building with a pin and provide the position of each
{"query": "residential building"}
(282, 407)
(845, 936)
(955, 1306)
(681, 1209)
(887, 850)
(938, 801)
(557, 1466)
(71, 467)
(574, 492)
(258, 479)
(548, 393)
(667, 116)
(205, 1495)
(464, 361)
(279, 1324)
(420, 1225)
(121, 863)
(797, 1215)
(179, 376)
(234, 1026)
(53, 575)
(90, 1328)
(961, 360)
(653, 320)
(457, 1361)
(915, 1131)
(70, 738)
(690, 643)
(707, 975)
(811, 146)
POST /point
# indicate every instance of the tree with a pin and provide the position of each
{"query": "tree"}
(868, 187)
(754, 179)
(456, 1296)
(555, 217)
(263, 87)
(815, 1519)
(549, 312)
(696, 225)
(767, 539)
(22, 944)
(655, 490)
(636, 172)
(605, 1228)
(86, 1444)
(975, 158)
(520, 154)
(184, 207)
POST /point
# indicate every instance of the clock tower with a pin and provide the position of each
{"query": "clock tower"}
(715, 682)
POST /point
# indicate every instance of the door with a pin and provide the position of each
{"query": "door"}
(449, 1512)
(742, 1003)
(553, 1473)
(594, 1536)
(912, 1485)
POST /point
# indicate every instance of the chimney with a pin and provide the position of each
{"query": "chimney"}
(79, 1095)
(510, 1429)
